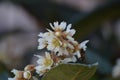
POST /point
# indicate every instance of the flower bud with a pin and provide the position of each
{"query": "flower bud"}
(27, 75)
(18, 74)
(29, 68)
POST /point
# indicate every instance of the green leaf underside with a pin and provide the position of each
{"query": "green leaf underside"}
(71, 72)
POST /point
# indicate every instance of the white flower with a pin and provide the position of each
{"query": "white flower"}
(116, 70)
(59, 28)
(54, 44)
(83, 45)
(49, 40)
(60, 40)
(44, 63)
(41, 70)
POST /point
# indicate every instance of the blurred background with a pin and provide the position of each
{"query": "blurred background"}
(95, 20)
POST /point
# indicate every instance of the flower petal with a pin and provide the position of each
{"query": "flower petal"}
(71, 59)
(63, 25)
(56, 24)
(52, 26)
(41, 34)
(77, 53)
(72, 32)
(83, 45)
(68, 27)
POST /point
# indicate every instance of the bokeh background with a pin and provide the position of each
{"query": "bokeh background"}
(95, 20)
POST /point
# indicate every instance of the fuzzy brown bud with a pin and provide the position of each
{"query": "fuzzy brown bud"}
(30, 68)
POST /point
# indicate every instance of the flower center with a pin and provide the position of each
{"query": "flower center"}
(58, 33)
(48, 62)
(55, 42)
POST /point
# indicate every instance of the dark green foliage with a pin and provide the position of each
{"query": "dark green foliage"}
(71, 72)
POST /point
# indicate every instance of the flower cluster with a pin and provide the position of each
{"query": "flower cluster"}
(60, 40)
(61, 48)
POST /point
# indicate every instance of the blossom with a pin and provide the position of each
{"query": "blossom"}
(58, 26)
(62, 26)
(54, 44)
(44, 63)
(60, 40)
(63, 32)
(62, 29)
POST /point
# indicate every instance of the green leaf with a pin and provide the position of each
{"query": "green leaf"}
(71, 72)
